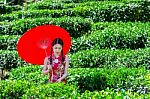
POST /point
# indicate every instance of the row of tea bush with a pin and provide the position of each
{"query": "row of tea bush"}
(90, 58)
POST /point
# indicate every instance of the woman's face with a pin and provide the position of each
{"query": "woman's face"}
(57, 49)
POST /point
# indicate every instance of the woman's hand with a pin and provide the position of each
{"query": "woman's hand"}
(62, 66)
(59, 80)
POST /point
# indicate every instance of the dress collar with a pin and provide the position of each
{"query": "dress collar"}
(56, 57)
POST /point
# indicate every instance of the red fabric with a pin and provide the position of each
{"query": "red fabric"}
(57, 72)
(34, 45)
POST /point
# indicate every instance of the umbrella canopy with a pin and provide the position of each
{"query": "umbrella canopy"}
(35, 44)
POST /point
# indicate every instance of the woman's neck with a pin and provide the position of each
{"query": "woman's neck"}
(56, 55)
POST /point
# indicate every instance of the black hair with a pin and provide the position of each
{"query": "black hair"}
(57, 41)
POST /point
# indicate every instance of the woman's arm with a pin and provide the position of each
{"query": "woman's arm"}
(45, 69)
(66, 68)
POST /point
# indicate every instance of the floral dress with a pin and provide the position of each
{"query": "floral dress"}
(57, 69)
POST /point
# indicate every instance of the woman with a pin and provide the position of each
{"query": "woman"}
(56, 64)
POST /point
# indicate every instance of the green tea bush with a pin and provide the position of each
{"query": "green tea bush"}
(124, 12)
(10, 17)
(13, 88)
(114, 36)
(90, 58)
(110, 58)
(75, 26)
(5, 9)
(29, 73)
(89, 78)
(10, 59)
(115, 94)
(132, 12)
(63, 5)
(45, 5)
(48, 5)
(8, 42)
(116, 12)
(8, 9)
(110, 11)
(21, 89)
(100, 78)
(53, 91)
(34, 13)
(83, 1)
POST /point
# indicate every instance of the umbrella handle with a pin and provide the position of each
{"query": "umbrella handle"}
(45, 52)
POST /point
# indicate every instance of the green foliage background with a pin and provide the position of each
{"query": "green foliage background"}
(109, 56)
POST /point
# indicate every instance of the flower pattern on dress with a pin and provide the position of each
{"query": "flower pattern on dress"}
(57, 69)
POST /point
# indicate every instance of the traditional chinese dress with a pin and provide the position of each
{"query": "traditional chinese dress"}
(58, 69)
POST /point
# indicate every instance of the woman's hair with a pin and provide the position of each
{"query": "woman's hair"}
(57, 41)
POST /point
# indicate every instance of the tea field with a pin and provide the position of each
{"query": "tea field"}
(109, 56)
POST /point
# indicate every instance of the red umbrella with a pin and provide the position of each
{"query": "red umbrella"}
(35, 44)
